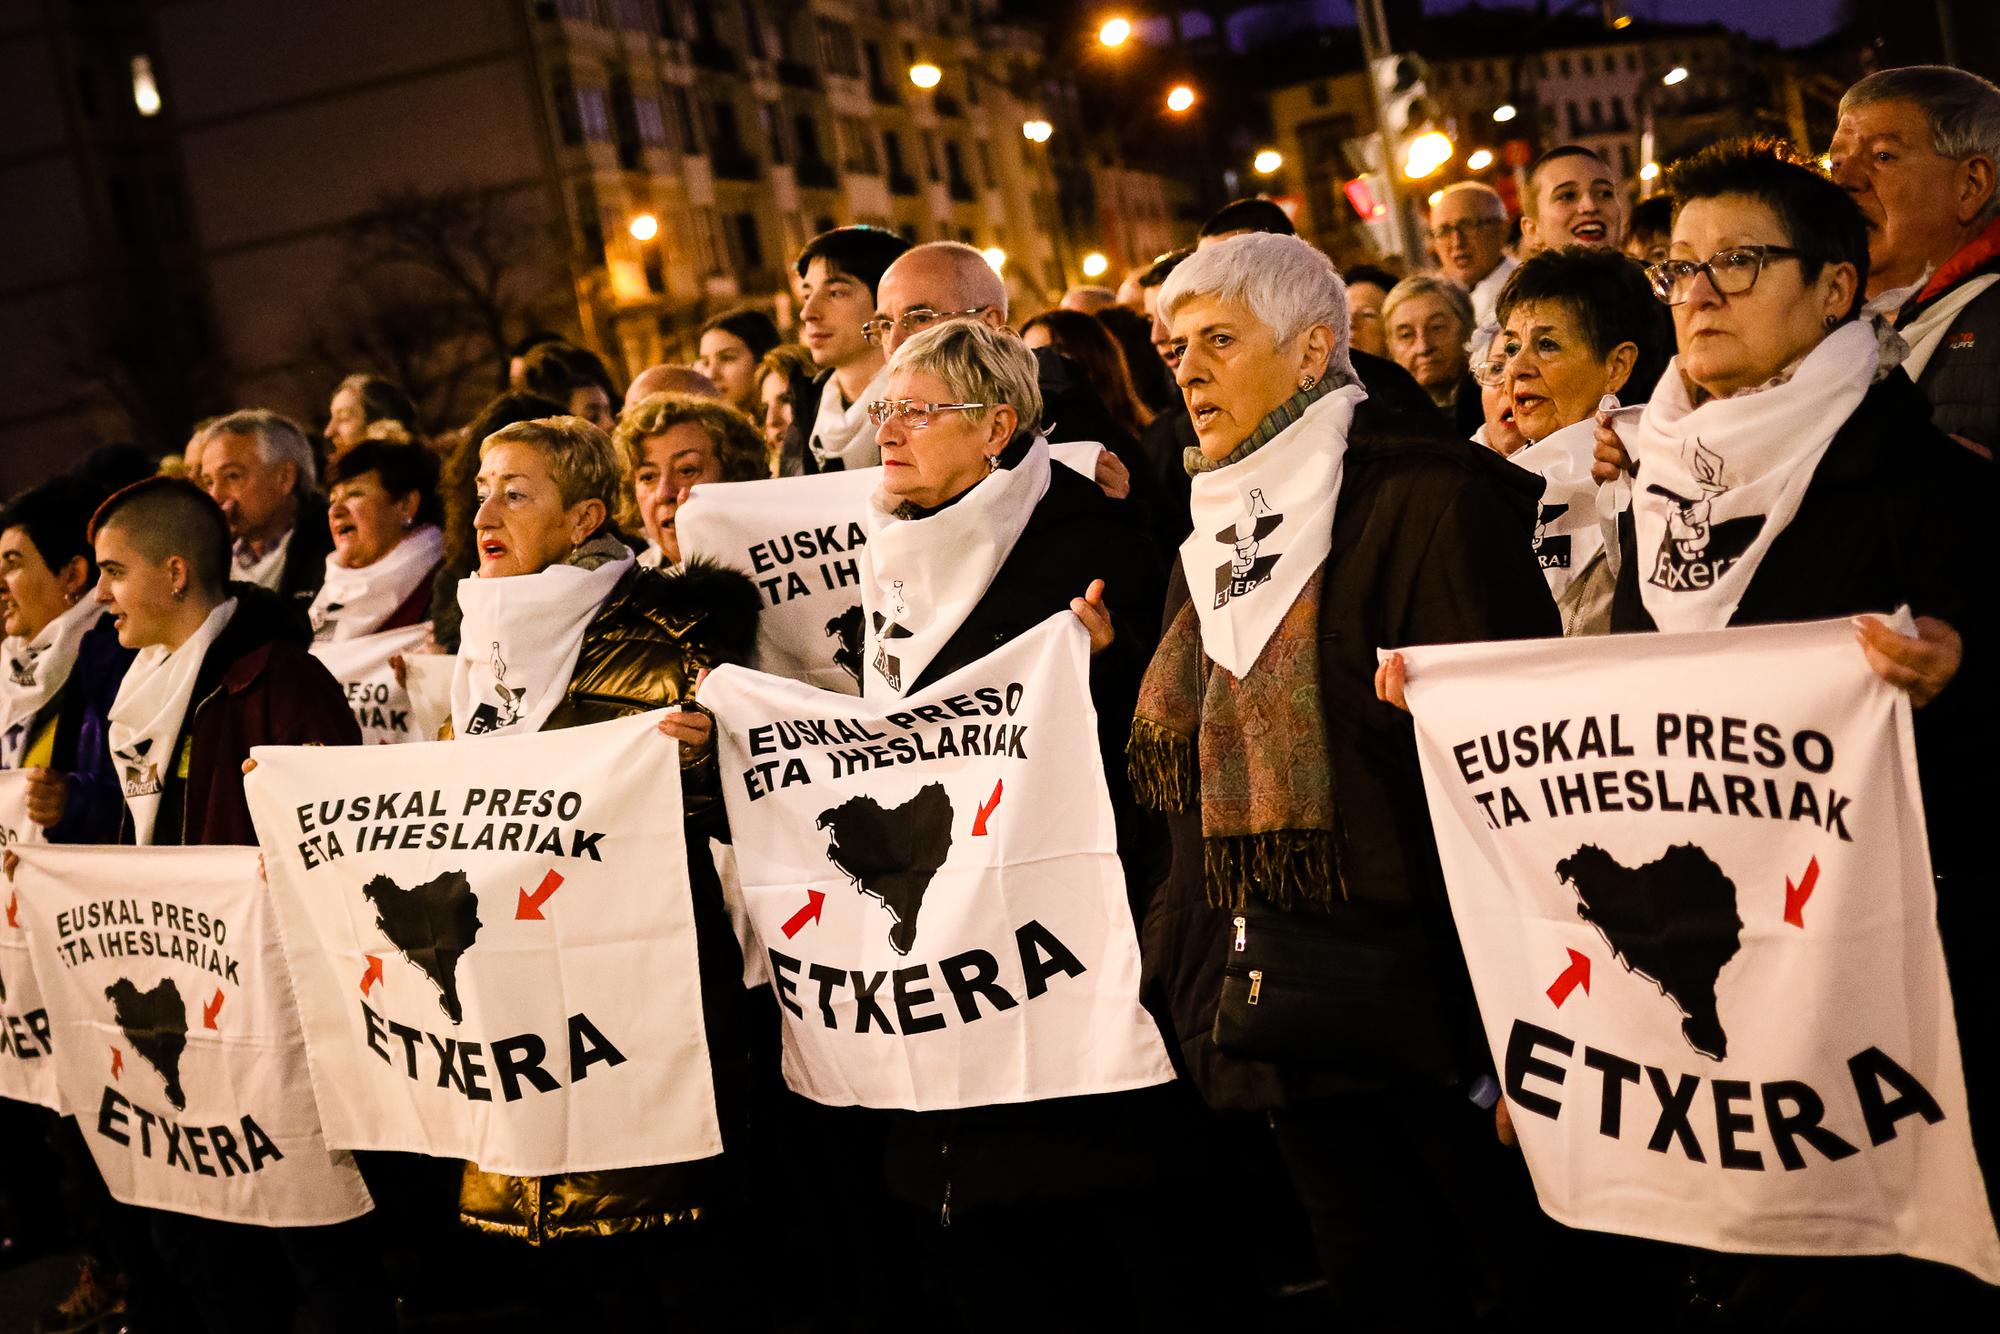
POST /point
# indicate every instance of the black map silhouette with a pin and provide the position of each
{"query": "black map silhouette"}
(892, 854)
(1673, 922)
(432, 924)
(155, 1023)
(845, 630)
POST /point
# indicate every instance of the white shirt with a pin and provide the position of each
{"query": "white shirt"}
(1486, 292)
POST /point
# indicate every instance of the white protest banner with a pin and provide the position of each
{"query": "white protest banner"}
(799, 538)
(427, 681)
(176, 1038)
(27, 1068)
(936, 885)
(361, 665)
(493, 943)
(1691, 880)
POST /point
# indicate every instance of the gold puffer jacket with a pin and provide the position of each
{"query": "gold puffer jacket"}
(642, 651)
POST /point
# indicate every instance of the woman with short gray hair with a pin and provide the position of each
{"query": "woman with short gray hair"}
(1427, 320)
(973, 540)
(1326, 527)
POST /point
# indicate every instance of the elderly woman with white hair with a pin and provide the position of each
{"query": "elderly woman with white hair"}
(974, 539)
(1302, 845)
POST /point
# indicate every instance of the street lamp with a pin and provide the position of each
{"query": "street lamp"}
(1505, 112)
(1481, 159)
(1179, 98)
(994, 256)
(1095, 265)
(1036, 131)
(1649, 172)
(1674, 75)
(1267, 161)
(644, 227)
(1115, 32)
(1427, 152)
(926, 75)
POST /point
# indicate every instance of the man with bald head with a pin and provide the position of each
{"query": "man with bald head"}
(668, 378)
(1469, 229)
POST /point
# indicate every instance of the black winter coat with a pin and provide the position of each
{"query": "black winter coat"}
(1432, 544)
(1059, 1147)
(306, 552)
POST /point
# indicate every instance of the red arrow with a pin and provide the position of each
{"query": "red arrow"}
(979, 824)
(815, 900)
(529, 909)
(373, 975)
(14, 909)
(117, 1062)
(1795, 899)
(210, 1010)
(1572, 977)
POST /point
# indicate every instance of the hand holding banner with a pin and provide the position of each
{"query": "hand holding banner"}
(935, 883)
(27, 1067)
(1691, 880)
(494, 946)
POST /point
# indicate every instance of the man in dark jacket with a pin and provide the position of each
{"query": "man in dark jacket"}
(258, 466)
(1918, 148)
(838, 273)
(163, 556)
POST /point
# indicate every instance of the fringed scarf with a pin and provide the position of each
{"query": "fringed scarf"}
(1251, 747)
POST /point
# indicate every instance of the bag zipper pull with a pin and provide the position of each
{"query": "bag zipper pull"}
(1256, 983)
(1240, 927)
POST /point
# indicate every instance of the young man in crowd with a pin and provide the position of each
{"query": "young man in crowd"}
(1917, 149)
(1572, 199)
(838, 272)
(258, 466)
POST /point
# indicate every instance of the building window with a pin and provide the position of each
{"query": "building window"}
(837, 50)
(594, 114)
(774, 132)
(753, 31)
(690, 132)
(858, 152)
(652, 122)
(588, 224)
(638, 16)
(984, 152)
(1631, 62)
(1589, 65)
(1563, 64)
(568, 124)
(747, 250)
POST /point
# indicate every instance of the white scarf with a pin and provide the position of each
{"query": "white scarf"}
(146, 718)
(267, 570)
(1262, 525)
(1714, 485)
(36, 671)
(1567, 534)
(842, 433)
(355, 600)
(518, 644)
(920, 578)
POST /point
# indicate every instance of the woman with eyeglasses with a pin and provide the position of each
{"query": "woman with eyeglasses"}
(973, 539)
(1577, 325)
(1786, 469)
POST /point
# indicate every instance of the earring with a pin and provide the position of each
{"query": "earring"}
(992, 463)
(409, 524)
(180, 593)
(1832, 320)
(1306, 385)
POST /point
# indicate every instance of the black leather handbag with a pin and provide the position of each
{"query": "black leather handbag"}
(1356, 992)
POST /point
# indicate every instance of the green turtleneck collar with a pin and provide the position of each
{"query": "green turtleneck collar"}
(1276, 420)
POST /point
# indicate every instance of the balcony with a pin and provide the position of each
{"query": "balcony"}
(817, 174)
(795, 75)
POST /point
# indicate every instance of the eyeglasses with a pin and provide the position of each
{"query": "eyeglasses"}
(1490, 371)
(1445, 231)
(1730, 272)
(923, 317)
(914, 415)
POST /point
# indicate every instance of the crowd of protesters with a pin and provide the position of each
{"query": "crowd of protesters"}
(1361, 1177)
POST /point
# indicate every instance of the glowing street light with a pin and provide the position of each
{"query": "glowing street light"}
(1179, 98)
(145, 89)
(1436, 198)
(1037, 131)
(1481, 159)
(1115, 32)
(1095, 265)
(926, 75)
(1267, 161)
(1649, 172)
(1505, 112)
(1674, 75)
(995, 257)
(644, 227)
(1427, 152)
(1622, 22)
